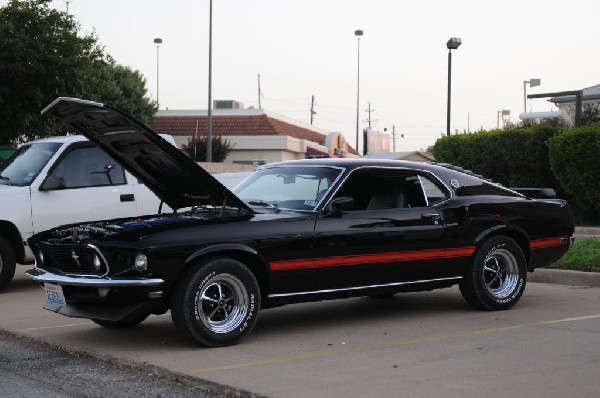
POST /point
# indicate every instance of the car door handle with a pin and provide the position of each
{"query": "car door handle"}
(128, 197)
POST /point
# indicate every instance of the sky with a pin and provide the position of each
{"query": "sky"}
(306, 48)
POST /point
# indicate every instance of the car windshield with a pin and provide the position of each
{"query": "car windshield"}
(287, 187)
(24, 165)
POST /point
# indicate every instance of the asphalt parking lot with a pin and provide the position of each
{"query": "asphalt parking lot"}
(417, 344)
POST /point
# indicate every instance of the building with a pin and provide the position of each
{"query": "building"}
(566, 104)
(258, 136)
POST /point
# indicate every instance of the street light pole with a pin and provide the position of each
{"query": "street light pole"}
(67, 2)
(209, 134)
(532, 83)
(452, 44)
(502, 113)
(358, 34)
(157, 43)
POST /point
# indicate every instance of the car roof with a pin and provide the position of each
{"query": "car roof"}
(61, 139)
(445, 172)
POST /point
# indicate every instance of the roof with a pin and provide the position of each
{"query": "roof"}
(235, 122)
(590, 93)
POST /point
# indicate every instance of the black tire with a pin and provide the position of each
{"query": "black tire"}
(496, 279)
(216, 303)
(120, 324)
(7, 263)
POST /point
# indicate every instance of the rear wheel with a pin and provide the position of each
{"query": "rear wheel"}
(496, 279)
(7, 263)
(120, 324)
(216, 303)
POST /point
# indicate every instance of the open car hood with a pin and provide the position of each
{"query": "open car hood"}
(166, 171)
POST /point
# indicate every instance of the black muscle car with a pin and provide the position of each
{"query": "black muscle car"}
(293, 231)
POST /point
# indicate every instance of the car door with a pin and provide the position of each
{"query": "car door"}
(85, 184)
(391, 235)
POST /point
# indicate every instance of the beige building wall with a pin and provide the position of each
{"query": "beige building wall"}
(267, 148)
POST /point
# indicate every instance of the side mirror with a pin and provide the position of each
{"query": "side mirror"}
(337, 205)
(53, 183)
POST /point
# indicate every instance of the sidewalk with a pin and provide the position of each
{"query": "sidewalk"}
(587, 232)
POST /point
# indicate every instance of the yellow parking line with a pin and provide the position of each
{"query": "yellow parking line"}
(68, 325)
(390, 344)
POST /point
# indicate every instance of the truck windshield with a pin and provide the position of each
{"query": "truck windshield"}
(24, 165)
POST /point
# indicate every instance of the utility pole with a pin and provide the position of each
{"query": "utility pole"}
(312, 109)
(259, 92)
(369, 110)
(209, 133)
(394, 137)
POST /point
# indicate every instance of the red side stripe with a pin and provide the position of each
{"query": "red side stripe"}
(548, 242)
(389, 257)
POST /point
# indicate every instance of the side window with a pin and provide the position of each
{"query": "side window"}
(88, 167)
(379, 189)
(433, 193)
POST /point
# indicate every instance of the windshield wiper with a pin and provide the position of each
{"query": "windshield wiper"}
(4, 178)
(262, 203)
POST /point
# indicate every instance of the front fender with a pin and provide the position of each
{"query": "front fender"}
(226, 247)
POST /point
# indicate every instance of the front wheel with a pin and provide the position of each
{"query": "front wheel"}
(496, 279)
(216, 303)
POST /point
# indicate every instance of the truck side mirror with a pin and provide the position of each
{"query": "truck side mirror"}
(53, 183)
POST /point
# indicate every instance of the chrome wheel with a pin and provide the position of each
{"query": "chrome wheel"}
(500, 273)
(223, 303)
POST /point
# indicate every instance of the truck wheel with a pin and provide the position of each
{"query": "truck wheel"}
(216, 303)
(496, 278)
(120, 324)
(7, 263)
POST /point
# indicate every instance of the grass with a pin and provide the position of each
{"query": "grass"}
(583, 256)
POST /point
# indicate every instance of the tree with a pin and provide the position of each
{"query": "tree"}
(196, 148)
(590, 113)
(42, 57)
(121, 87)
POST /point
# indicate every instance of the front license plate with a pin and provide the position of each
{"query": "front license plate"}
(55, 294)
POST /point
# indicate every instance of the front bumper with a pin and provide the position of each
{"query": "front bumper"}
(88, 296)
(43, 276)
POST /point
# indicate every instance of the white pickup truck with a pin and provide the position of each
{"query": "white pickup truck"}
(62, 180)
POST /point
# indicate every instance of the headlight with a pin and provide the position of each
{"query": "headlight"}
(140, 264)
(97, 263)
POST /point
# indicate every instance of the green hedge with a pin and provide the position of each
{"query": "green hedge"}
(565, 159)
(514, 158)
(575, 160)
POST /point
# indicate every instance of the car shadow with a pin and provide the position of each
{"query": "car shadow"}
(358, 311)
(159, 333)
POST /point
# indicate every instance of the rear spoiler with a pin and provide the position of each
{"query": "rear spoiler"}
(536, 193)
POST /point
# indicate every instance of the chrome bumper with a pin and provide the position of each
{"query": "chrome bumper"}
(41, 275)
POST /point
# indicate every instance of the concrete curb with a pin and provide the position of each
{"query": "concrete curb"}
(565, 277)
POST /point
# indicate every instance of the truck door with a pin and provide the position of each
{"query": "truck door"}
(85, 184)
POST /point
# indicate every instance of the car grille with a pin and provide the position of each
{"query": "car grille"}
(72, 259)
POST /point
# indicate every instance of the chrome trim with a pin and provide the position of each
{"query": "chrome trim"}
(41, 275)
(94, 248)
(423, 190)
(363, 287)
(155, 295)
(415, 170)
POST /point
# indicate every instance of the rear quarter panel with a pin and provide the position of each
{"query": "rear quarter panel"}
(541, 227)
